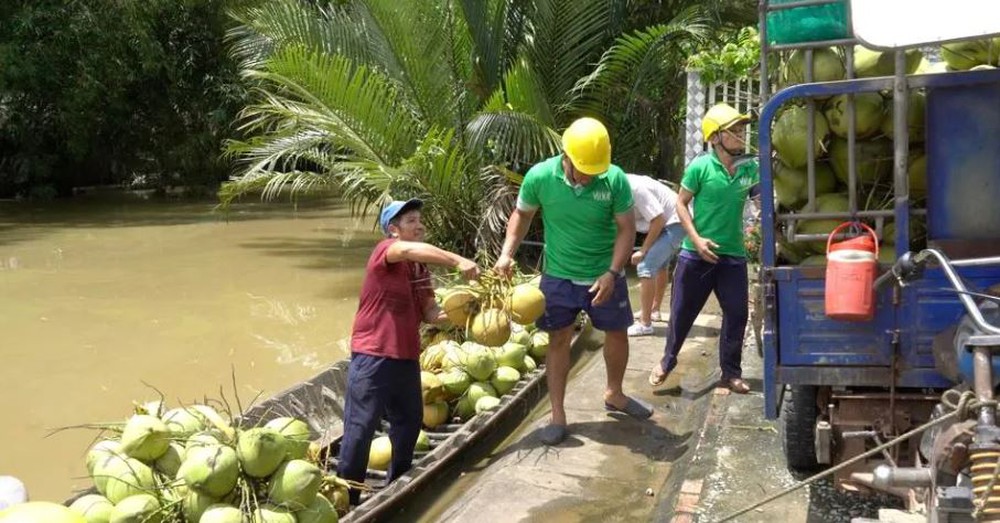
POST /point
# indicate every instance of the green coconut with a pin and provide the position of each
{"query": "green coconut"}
(491, 327)
(100, 452)
(195, 504)
(40, 512)
(816, 260)
(869, 112)
(520, 336)
(423, 441)
(512, 355)
(295, 484)
(873, 159)
(869, 63)
(260, 451)
(380, 453)
(170, 462)
(824, 227)
(273, 514)
(140, 508)
(480, 389)
(94, 508)
(145, 437)
(916, 114)
(529, 364)
(221, 513)
(465, 408)
(539, 345)
(790, 135)
(887, 254)
(435, 414)
(321, 511)
(431, 389)
(455, 382)
(183, 421)
(526, 304)
(455, 357)
(504, 379)
(297, 435)
(962, 56)
(124, 478)
(210, 470)
(828, 66)
(486, 403)
(201, 440)
(791, 186)
(481, 364)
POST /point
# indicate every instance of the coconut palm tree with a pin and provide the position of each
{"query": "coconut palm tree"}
(447, 100)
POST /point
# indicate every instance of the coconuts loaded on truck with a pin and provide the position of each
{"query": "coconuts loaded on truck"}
(880, 230)
(276, 461)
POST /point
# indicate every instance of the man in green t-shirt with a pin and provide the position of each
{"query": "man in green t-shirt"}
(586, 206)
(713, 256)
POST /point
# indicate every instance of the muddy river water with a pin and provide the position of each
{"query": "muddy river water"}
(102, 300)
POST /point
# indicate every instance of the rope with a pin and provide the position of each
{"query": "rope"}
(965, 405)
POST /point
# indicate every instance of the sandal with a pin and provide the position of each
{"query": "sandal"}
(657, 376)
(736, 385)
(633, 407)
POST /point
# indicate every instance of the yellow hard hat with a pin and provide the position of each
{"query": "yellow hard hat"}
(720, 117)
(588, 146)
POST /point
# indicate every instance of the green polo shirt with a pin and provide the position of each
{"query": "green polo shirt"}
(579, 221)
(719, 200)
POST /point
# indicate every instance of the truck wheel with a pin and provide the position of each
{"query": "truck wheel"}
(798, 416)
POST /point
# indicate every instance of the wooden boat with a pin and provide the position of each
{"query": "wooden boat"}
(320, 402)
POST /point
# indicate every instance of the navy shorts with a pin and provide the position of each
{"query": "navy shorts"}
(564, 300)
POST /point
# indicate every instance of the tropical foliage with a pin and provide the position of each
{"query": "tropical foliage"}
(449, 100)
(96, 92)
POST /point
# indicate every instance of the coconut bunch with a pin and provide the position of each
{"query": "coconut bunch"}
(873, 116)
(496, 318)
(193, 464)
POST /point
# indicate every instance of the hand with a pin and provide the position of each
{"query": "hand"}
(705, 249)
(504, 265)
(603, 288)
(637, 257)
(468, 269)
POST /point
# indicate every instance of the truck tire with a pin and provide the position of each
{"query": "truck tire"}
(798, 437)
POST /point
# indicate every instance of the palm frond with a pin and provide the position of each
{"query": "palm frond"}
(359, 108)
(500, 197)
(512, 137)
(643, 57)
(567, 35)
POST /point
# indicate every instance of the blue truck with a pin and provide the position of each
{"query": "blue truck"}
(843, 388)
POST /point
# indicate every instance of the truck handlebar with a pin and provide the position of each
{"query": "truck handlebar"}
(910, 267)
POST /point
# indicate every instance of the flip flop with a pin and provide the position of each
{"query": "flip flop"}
(655, 380)
(633, 407)
(553, 435)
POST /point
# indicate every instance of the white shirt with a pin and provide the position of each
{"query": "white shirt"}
(651, 199)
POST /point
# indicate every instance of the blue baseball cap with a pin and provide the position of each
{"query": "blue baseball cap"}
(395, 208)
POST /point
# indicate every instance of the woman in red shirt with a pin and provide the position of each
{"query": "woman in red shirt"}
(383, 379)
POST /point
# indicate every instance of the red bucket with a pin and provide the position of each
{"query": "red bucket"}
(850, 272)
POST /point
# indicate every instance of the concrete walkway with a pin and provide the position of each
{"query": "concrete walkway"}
(611, 468)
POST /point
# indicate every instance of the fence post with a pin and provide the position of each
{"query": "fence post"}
(693, 142)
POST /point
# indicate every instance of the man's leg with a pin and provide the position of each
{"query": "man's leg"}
(612, 317)
(647, 294)
(405, 412)
(731, 288)
(659, 289)
(363, 408)
(615, 360)
(693, 283)
(557, 363)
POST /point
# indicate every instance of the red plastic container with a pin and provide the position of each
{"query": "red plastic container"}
(850, 272)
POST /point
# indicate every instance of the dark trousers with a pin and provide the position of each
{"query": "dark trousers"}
(378, 387)
(694, 280)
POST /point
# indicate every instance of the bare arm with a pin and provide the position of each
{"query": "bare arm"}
(624, 240)
(426, 253)
(434, 314)
(517, 228)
